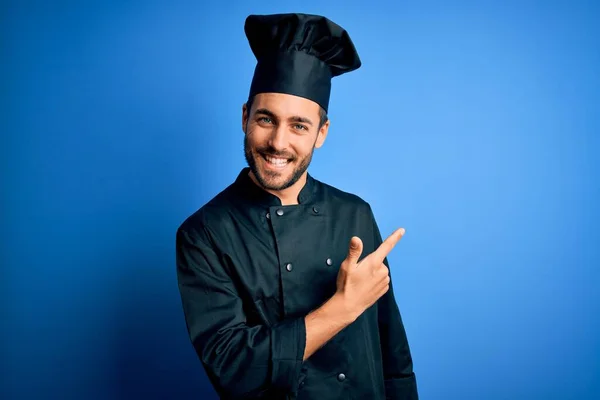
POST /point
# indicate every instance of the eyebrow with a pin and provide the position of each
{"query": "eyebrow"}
(302, 120)
(266, 112)
(272, 115)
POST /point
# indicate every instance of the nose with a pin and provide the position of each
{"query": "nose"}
(279, 138)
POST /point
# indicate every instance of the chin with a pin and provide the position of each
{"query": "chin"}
(272, 179)
(275, 181)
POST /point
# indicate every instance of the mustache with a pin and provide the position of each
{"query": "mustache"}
(269, 151)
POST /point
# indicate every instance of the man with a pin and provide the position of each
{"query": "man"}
(284, 279)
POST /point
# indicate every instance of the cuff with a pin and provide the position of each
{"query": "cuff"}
(401, 388)
(288, 342)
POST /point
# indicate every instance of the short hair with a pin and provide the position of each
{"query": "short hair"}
(322, 113)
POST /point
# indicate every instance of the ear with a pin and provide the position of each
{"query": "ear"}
(322, 135)
(245, 116)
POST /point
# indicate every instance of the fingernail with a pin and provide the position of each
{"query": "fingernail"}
(402, 231)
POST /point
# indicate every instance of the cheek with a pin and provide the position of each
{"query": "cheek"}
(303, 149)
(257, 134)
(257, 146)
(252, 138)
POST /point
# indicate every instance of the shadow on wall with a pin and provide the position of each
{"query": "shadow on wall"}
(153, 356)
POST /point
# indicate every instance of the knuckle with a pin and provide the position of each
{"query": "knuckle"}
(384, 270)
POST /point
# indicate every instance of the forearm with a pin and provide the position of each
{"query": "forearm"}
(326, 322)
(250, 361)
(242, 361)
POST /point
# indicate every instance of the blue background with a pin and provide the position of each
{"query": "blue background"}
(475, 125)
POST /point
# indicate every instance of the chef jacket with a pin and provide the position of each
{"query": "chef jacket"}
(249, 270)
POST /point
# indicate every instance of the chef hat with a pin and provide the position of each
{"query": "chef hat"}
(298, 54)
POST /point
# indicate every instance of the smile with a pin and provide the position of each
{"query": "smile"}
(276, 162)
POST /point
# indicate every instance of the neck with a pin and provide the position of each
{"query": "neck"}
(287, 196)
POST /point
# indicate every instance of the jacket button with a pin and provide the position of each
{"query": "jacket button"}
(280, 212)
(289, 267)
(315, 210)
(268, 215)
(341, 377)
(329, 262)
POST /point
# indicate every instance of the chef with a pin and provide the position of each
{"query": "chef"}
(284, 279)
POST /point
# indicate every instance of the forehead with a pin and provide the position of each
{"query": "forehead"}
(284, 105)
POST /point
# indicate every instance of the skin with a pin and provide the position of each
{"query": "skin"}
(285, 127)
(359, 285)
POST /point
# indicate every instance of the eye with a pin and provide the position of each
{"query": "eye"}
(300, 127)
(266, 120)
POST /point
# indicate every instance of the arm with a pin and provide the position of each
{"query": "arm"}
(400, 381)
(242, 360)
(326, 322)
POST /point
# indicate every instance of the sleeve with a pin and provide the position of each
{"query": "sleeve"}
(241, 361)
(400, 380)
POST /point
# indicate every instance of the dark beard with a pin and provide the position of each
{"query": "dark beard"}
(250, 159)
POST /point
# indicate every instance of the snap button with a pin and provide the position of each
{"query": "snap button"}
(329, 262)
(268, 215)
(341, 377)
(280, 212)
(315, 210)
(289, 267)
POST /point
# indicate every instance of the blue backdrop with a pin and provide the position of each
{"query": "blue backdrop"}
(475, 125)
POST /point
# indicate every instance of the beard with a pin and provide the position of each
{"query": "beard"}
(270, 180)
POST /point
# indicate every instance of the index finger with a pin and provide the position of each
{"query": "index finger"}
(388, 244)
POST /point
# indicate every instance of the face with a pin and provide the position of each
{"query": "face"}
(281, 133)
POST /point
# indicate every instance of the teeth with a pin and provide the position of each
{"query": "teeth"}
(277, 161)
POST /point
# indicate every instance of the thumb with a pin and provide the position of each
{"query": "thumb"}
(354, 249)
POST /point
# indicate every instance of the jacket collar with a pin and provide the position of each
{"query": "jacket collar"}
(247, 189)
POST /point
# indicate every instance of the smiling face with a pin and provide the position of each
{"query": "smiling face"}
(281, 133)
